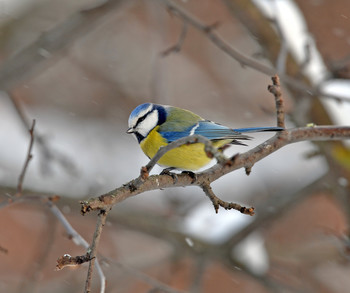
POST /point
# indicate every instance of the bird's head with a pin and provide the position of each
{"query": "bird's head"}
(144, 118)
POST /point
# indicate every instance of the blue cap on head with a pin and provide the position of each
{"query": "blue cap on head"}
(142, 107)
(139, 111)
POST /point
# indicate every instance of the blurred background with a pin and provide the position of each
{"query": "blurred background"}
(80, 67)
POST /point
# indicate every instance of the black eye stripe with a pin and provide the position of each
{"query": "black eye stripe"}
(141, 119)
(144, 117)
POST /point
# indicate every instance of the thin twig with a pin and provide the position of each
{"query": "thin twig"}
(177, 47)
(275, 89)
(26, 163)
(47, 152)
(77, 239)
(71, 232)
(217, 202)
(67, 260)
(92, 251)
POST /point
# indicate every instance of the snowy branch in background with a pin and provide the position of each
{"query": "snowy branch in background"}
(217, 40)
(304, 49)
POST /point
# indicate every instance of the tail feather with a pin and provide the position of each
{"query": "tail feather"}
(258, 129)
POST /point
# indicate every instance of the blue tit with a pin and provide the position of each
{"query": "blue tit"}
(155, 126)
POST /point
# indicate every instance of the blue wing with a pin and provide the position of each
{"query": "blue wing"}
(208, 129)
(258, 129)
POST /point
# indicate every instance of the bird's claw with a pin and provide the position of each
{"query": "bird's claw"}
(191, 174)
(166, 171)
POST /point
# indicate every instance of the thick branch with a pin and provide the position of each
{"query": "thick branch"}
(239, 161)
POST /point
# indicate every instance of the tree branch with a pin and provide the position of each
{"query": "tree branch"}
(275, 89)
(203, 179)
(26, 163)
(219, 42)
(67, 260)
(92, 251)
(177, 47)
(47, 152)
(249, 158)
(217, 202)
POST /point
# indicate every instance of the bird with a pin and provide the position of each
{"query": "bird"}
(155, 126)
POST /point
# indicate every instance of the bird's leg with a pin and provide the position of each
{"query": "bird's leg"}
(191, 174)
(166, 171)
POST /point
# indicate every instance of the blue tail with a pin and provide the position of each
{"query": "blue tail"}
(258, 129)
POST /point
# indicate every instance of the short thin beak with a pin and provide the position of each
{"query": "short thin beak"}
(130, 130)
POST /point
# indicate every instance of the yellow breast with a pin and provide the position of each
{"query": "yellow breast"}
(186, 157)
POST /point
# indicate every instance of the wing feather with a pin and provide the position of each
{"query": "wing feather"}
(208, 129)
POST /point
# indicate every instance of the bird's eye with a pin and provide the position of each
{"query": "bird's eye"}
(140, 119)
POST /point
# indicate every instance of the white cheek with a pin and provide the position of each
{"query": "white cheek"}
(148, 124)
